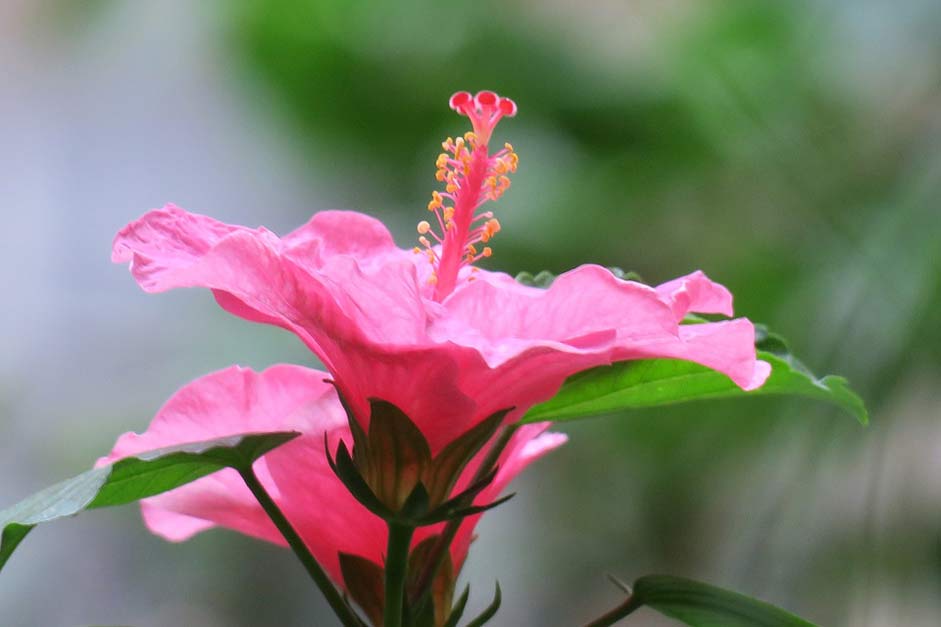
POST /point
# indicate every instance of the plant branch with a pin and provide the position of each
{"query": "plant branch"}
(400, 538)
(343, 611)
(616, 614)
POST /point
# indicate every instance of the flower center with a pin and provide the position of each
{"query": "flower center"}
(471, 176)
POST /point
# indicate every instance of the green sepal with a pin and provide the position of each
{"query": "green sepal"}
(453, 458)
(131, 479)
(488, 613)
(458, 610)
(347, 472)
(392, 473)
(365, 583)
(478, 509)
(415, 507)
(449, 510)
(442, 587)
(398, 454)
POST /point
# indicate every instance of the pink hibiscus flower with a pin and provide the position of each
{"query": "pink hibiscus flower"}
(423, 329)
(297, 476)
(447, 343)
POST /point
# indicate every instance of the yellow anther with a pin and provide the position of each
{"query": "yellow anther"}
(504, 182)
(487, 251)
(470, 138)
(448, 214)
(432, 280)
(448, 144)
(472, 249)
(440, 175)
(442, 160)
(416, 250)
(508, 146)
(423, 227)
(424, 241)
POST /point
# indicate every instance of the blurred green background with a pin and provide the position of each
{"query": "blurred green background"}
(790, 150)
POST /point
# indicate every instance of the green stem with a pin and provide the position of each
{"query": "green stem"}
(440, 547)
(346, 615)
(400, 539)
(616, 614)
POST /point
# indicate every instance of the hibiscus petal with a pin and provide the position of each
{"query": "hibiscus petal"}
(229, 402)
(310, 283)
(498, 318)
(330, 233)
(588, 318)
(695, 293)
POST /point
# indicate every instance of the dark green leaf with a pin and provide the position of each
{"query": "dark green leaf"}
(653, 382)
(702, 605)
(132, 479)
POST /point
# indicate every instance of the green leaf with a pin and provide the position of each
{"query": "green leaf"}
(701, 605)
(131, 479)
(654, 382)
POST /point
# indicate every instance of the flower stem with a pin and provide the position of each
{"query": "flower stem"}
(613, 616)
(440, 547)
(400, 539)
(346, 615)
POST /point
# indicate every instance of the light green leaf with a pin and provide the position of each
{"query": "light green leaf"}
(132, 479)
(701, 605)
(654, 382)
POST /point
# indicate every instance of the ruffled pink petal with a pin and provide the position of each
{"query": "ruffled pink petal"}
(323, 293)
(583, 306)
(238, 400)
(585, 319)
(695, 293)
(308, 283)
(356, 301)
(331, 233)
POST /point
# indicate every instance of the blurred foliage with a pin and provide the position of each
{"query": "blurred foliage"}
(790, 150)
(746, 138)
